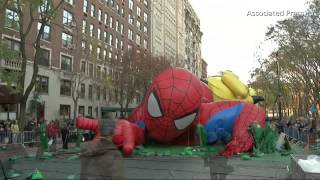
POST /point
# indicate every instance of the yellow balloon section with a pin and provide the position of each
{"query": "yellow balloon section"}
(229, 87)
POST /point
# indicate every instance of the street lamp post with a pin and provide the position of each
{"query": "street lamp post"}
(279, 90)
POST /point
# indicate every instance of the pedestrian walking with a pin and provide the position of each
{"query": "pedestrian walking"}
(65, 136)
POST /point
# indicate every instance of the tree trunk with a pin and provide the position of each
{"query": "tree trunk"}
(22, 114)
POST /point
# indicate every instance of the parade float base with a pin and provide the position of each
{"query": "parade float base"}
(176, 165)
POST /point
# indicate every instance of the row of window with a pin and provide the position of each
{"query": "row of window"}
(65, 111)
(119, 10)
(42, 86)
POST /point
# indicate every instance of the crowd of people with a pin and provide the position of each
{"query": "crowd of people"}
(9, 131)
(55, 131)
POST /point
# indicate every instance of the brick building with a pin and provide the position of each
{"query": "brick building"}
(83, 38)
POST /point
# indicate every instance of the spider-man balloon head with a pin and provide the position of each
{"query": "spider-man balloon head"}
(172, 103)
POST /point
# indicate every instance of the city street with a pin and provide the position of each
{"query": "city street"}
(273, 166)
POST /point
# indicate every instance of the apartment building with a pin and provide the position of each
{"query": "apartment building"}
(81, 41)
(176, 34)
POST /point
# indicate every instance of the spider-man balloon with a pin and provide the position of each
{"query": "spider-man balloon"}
(175, 103)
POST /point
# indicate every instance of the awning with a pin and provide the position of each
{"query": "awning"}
(7, 96)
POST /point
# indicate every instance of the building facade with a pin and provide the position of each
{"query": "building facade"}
(204, 67)
(175, 34)
(78, 46)
(167, 30)
(193, 37)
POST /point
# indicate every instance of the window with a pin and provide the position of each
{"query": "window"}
(67, 18)
(112, 3)
(46, 35)
(11, 19)
(118, 9)
(42, 85)
(65, 88)
(90, 48)
(65, 112)
(99, 55)
(45, 6)
(145, 44)
(91, 30)
(104, 54)
(121, 29)
(138, 11)
(104, 92)
(83, 45)
(122, 12)
(90, 111)
(66, 40)
(146, 3)
(129, 47)
(93, 10)
(91, 70)
(121, 45)
(81, 110)
(130, 19)
(111, 22)
(110, 55)
(70, 1)
(66, 63)
(138, 39)
(117, 26)
(138, 24)
(105, 35)
(145, 17)
(99, 34)
(84, 26)
(110, 39)
(131, 4)
(44, 57)
(117, 42)
(85, 6)
(12, 44)
(98, 93)
(130, 34)
(83, 67)
(106, 19)
(99, 15)
(98, 72)
(90, 92)
(145, 29)
(82, 91)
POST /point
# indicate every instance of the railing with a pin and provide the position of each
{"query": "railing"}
(299, 135)
(25, 137)
(11, 64)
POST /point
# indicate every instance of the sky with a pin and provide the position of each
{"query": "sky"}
(232, 34)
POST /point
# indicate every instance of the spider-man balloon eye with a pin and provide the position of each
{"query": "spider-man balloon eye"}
(185, 121)
(154, 108)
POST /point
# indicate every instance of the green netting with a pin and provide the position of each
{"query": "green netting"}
(264, 139)
(71, 177)
(202, 135)
(73, 157)
(36, 175)
(177, 151)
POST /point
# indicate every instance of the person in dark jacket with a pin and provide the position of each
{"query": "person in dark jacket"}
(65, 136)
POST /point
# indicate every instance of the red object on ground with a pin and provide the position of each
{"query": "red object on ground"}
(89, 124)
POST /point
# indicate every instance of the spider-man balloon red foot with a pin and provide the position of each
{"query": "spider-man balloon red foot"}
(175, 103)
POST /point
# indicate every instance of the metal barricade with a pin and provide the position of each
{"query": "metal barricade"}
(25, 137)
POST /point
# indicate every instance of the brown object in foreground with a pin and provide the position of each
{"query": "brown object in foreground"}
(101, 160)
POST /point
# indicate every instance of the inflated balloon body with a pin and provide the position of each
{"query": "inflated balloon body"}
(176, 104)
(89, 124)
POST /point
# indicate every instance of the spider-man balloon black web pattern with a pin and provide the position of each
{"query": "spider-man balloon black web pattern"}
(175, 104)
